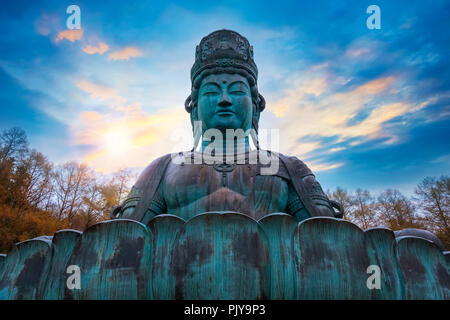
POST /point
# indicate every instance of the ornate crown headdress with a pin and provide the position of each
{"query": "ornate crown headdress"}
(224, 49)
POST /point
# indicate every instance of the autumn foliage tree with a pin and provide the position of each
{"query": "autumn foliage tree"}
(433, 198)
(396, 211)
(429, 209)
(38, 198)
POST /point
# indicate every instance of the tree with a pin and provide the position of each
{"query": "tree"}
(433, 198)
(396, 211)
(13, 143)
(37, 198)
(100, 196)
(6, 171)
(31, 181)
(344, 198)
(90, 211)
(363, 209)
(29, 224)
(116, 190)
(69, 185)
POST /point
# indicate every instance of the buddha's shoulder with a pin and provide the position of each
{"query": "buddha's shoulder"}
(157, 167)
(154, 170)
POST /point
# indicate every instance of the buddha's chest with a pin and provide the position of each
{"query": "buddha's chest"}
(194, 188)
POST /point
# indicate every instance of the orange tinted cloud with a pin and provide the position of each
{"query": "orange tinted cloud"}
(128, 136)
(99, 92)
(100, 49)
(125, 54)
(326, 111)
(374, 86)
(317, 167)
(123, 134)
(356, 52)
(71, 35)
(91, 116)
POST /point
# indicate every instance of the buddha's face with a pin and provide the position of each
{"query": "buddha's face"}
(225, 102)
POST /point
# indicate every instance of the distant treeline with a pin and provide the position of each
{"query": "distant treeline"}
(38, 198)
(428, 208)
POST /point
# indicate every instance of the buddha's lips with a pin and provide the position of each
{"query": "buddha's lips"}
(224, 112)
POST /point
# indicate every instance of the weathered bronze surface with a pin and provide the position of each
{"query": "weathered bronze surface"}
(227, 229)
(225, 96)
(226, 256)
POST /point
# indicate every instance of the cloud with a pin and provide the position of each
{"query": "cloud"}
(318, 106)
(47, 23)
(442, 159)
(125, 54)
(100, 49)
(100, 92)
(129, 136)
(317, 166)
(71, 35)
(356, 52)
(362, 48)
(122, 134)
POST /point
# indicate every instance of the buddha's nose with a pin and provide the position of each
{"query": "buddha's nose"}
(225, 100)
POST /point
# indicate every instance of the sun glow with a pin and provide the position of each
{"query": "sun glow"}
(116, 141)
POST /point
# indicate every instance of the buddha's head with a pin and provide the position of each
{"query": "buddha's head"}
(224, 93)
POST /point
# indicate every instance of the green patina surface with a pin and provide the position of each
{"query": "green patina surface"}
(381, 248)
(62, 247)
(166, 273)
(223, 256)
(279, 229)
(424, 268)
(24, 270)
(331, 260)
(2, 262)
(226, 256)
(115, 262)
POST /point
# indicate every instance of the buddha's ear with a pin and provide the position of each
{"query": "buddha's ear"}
(255, 117)
(258, 107)
(196, 129)
(194, 116)
(261, 103)
(188, 104)
(190, 107)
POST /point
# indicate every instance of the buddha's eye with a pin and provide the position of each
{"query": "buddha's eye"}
(210, 93)
(210, 90)
(238, 89)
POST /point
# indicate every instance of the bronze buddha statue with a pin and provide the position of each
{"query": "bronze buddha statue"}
(224, 99)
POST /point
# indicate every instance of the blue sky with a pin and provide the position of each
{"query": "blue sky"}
(363, 108)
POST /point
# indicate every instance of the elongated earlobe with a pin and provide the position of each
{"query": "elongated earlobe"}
(261, 103)
(188, 104)
(254, 134)
(255, 116)
(196, 127)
